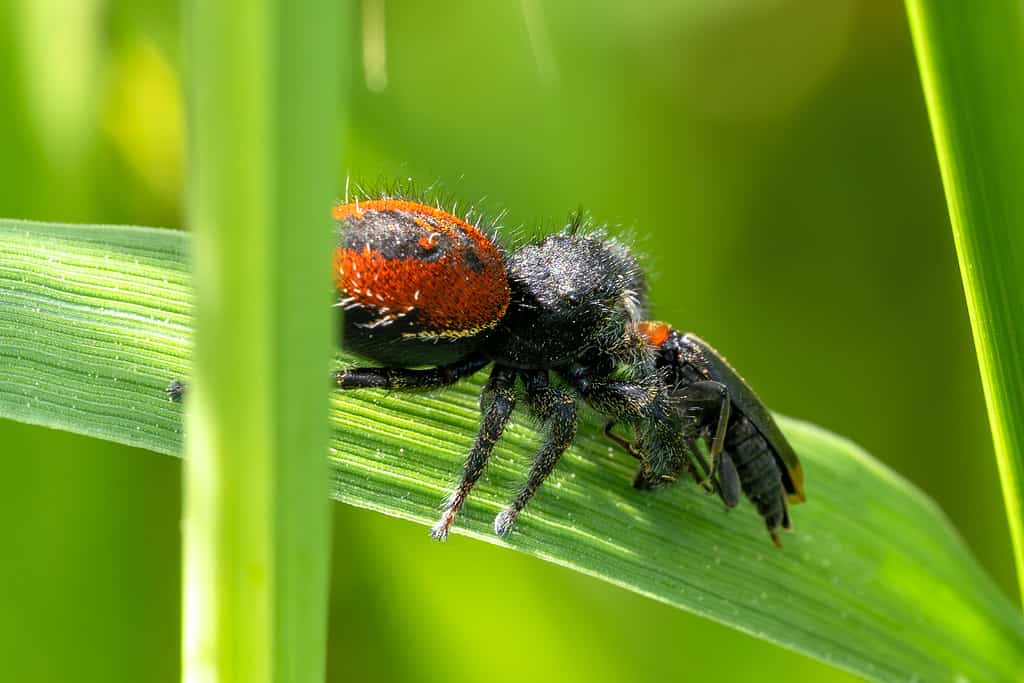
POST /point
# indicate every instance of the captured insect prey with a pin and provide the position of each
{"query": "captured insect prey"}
(432, 299)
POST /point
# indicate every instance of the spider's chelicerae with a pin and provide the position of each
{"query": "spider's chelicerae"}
(422, 287)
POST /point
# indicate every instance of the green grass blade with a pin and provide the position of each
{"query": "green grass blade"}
(263, 117)
(95, 321)
(971, 56)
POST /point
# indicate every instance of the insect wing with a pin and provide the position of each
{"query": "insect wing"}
(744, 398)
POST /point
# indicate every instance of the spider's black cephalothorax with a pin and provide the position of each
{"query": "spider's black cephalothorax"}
(561, 317)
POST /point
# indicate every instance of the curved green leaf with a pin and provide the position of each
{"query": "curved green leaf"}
(95, 321)
(970, 56)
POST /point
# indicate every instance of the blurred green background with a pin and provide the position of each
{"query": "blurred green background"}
(771, 158)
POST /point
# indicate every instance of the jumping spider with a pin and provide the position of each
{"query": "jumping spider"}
(422, 287)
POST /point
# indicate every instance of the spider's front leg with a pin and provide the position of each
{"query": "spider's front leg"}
(661, 444)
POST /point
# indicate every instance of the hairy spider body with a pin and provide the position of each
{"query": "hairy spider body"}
(565, 306)
(421, 287)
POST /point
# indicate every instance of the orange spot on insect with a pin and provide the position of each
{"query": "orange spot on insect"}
(429, 243)
(656, 332)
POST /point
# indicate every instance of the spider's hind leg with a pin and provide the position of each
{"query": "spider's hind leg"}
(405, 378)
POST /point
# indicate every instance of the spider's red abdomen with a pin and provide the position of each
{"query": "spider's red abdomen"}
(419, 285)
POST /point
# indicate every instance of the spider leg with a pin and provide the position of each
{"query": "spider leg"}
(497, 401)
(662, 444)
(405, 378)
(620, 400)
(557, 408)
(384, 378)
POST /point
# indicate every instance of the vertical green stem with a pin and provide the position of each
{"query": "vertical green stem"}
(263, 116)
(971, 57)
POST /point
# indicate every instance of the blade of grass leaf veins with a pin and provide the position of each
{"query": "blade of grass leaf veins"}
(262, 85)
(970, 56)
(95, 321)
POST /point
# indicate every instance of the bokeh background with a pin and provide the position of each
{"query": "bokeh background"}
(772, 160)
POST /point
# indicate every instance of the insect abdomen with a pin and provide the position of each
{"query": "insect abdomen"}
(759, 475)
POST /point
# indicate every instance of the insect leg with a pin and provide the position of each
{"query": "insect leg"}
(711, 399)
(404, 378)
(557, 408)
(709, 403)
(624, 444)
(497, 402)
